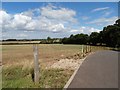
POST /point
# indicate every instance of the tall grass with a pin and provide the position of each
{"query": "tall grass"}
(15, 77)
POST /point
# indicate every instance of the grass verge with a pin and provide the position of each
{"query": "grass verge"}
(15, 77)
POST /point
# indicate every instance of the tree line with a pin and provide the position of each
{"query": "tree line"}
(109, 36)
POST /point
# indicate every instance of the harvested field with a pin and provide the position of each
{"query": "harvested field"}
(57, 63)
(17, 54)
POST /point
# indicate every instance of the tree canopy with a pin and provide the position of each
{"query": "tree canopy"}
(110, 36)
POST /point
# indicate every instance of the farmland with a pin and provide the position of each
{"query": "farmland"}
(54, 60)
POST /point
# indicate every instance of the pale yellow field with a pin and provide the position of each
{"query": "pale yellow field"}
(18, 61)
(48, 53)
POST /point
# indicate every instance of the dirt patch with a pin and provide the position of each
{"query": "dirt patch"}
(67, 64)
(70, 62)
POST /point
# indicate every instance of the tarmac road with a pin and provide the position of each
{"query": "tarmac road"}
(99, 70)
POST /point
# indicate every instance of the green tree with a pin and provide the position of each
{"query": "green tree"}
(111, 36)
(94, 38)
(49, 40)
(117, 22)
(76, 39)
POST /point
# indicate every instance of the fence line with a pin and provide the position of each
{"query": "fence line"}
(85, 49)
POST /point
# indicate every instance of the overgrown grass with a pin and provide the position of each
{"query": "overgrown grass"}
(15, 77)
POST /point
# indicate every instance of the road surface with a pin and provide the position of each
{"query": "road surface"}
(99, 70)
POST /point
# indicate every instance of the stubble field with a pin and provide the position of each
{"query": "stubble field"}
(57, 63)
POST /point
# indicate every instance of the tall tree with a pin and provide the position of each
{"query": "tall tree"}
(94, 38)
(111, 34)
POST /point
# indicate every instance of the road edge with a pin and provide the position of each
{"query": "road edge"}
(73, 75)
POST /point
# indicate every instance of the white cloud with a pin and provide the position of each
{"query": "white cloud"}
(88, 30)
(100, 9)
(4, 16)
(104, 21)
(106, 13)
(20, 21)
(61, 14)
(49, 18)
(76, 31)
(72, 31)
(57, 28)
(22, 35)
(84, 29)
(94, 30)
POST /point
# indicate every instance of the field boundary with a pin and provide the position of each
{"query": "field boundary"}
(73, 75)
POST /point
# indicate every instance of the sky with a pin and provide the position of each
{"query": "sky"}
(38, 20)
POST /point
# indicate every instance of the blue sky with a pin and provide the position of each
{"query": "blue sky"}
(60, 19)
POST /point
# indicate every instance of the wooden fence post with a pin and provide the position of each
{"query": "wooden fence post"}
(82, 51)
(85, 49)
(90, 48)
(36, 64)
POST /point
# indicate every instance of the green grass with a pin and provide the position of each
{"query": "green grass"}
(15, 77)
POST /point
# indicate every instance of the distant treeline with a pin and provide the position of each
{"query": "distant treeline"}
(31, 41)
(23, 39)
(110, 36)
(51, 41)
